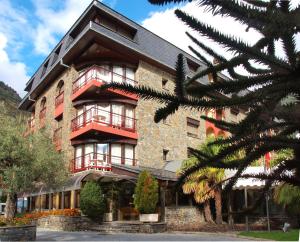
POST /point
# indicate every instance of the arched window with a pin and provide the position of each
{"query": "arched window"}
(59, 93)
(43, 112)
(43, 103)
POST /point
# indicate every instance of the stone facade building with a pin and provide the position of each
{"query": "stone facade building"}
(111, 133)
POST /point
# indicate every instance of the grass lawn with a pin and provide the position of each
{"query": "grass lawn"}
(292, 235)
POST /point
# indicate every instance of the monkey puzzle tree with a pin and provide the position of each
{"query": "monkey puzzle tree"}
(270, 91)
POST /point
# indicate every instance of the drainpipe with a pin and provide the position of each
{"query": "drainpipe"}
(63, 64)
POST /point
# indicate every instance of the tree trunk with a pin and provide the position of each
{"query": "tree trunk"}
(218, 205)
(207, 212)
(10, 208)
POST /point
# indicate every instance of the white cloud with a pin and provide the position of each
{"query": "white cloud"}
(54, 22)
(12, 73)
(169, 27)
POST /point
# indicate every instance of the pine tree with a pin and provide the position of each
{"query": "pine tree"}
(272, 120)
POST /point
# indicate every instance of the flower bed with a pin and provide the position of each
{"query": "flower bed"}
(58, 212)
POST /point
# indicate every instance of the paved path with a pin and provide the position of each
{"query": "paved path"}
(48, 235)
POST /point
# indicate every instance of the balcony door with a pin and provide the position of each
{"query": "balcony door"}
(118, 74)
(103, 113)
(80, 118)
(116, 153)
(89, 155)
(129, 76)
(117, 118)
(78, 157)
(129, 154)
(102, 154)
(90, 113)
(104, 73)
(129, 117)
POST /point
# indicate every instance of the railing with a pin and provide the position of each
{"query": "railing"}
(99, 161)
(105, 118)
(57, 137)
(59, 99)
(100, 74)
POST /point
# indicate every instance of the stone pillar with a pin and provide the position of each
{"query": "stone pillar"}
(50, 206)
(162, 202)
(73, 199)
(57, 200)
(62, 200)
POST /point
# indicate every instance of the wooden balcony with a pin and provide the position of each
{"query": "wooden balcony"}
(59, 105)
(105, 122)
(97, 161)
(57, 138)
(88, 84)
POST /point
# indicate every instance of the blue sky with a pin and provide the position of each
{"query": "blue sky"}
(29, 29)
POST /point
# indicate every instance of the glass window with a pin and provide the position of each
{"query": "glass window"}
(117, 114)
(78, 157)
(104, 73)
(88, 155)
(103, 113)
(102, 153)
(129, 76)
(129, 119)
(116, 153)
(118, 74)
(129, 154)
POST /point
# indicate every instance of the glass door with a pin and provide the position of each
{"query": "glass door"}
(104, 73)
(116, 153)
(102, 155)
(80, 118)
(118, 74)
(103, 113)
(90, 113)
(129, 117)
(129, 76)
(89, 156)
(129, 154)
(78, 157)
(117, 115)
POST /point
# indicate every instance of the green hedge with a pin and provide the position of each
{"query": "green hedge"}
(92, 203)
(146, 193)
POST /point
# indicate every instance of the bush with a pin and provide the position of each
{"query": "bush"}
(146, 193)
(91, 200)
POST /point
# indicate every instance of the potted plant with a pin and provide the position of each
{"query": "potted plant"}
(146, 197)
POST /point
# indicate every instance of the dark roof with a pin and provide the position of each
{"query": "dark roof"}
(145, 43)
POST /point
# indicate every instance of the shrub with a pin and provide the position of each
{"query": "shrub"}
(146, 193)
(91, 200)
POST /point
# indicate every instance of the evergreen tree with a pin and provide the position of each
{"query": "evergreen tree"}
(273, 105)
(146, 193)
(26, 163)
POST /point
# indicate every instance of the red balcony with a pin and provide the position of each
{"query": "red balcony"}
(42, 117)
(30, 126)
(59, 105)
(96, 119)
(57, 138)
(89, 82)
(96, 161)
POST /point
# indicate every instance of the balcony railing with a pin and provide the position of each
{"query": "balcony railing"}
(57, 138)
(59, 99)
(104, 118)
(98, 161)
(101, 74)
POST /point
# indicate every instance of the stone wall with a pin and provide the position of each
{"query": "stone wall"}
(184, 218)
(65, 223)
(18, 233)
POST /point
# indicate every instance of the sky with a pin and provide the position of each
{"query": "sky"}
(29, 29)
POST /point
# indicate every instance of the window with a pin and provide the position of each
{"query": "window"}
(45, 68)
(59, 93)
(164, 83)
(165, 154)
(192, 127)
